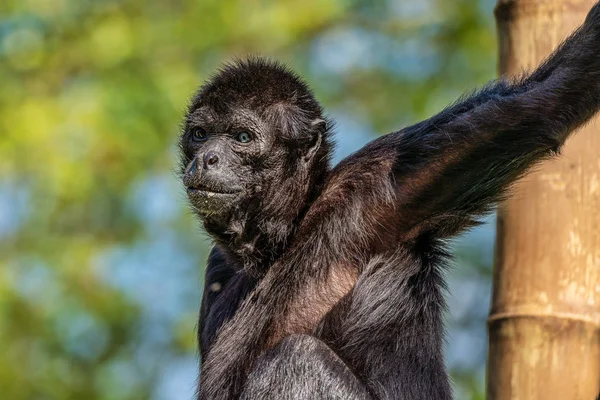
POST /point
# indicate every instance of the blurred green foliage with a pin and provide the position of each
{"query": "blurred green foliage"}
(100, 261)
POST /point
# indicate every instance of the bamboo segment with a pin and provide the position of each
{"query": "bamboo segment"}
(544, 325)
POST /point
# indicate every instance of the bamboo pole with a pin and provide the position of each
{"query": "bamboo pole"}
(544, 325)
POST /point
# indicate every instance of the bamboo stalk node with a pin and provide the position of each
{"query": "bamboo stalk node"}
(554, 315)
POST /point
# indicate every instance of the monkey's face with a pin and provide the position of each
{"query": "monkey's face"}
(232, 158)
(254, 150)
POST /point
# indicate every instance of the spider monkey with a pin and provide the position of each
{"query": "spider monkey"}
(328, 282)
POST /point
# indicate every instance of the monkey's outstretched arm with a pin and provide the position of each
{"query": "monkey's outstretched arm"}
(453, 167)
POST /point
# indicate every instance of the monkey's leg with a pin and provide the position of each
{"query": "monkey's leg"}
(302, 367)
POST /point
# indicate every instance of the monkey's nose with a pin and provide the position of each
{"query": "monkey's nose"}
(211, 159)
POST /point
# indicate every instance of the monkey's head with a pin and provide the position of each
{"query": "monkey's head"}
(255, 151)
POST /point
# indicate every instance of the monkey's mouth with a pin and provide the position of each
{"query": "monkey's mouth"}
(211, 202)
(210, 191)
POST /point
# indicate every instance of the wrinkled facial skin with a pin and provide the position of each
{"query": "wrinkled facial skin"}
(225, 155)
(254, 155)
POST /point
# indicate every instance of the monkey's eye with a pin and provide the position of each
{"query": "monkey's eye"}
(243, 137)
(198, 134)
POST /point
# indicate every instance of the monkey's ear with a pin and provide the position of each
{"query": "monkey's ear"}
(318, 127)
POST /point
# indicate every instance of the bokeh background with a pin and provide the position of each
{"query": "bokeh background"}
(100, 259)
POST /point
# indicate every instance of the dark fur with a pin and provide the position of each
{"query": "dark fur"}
(271, 101)
(332, 281)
